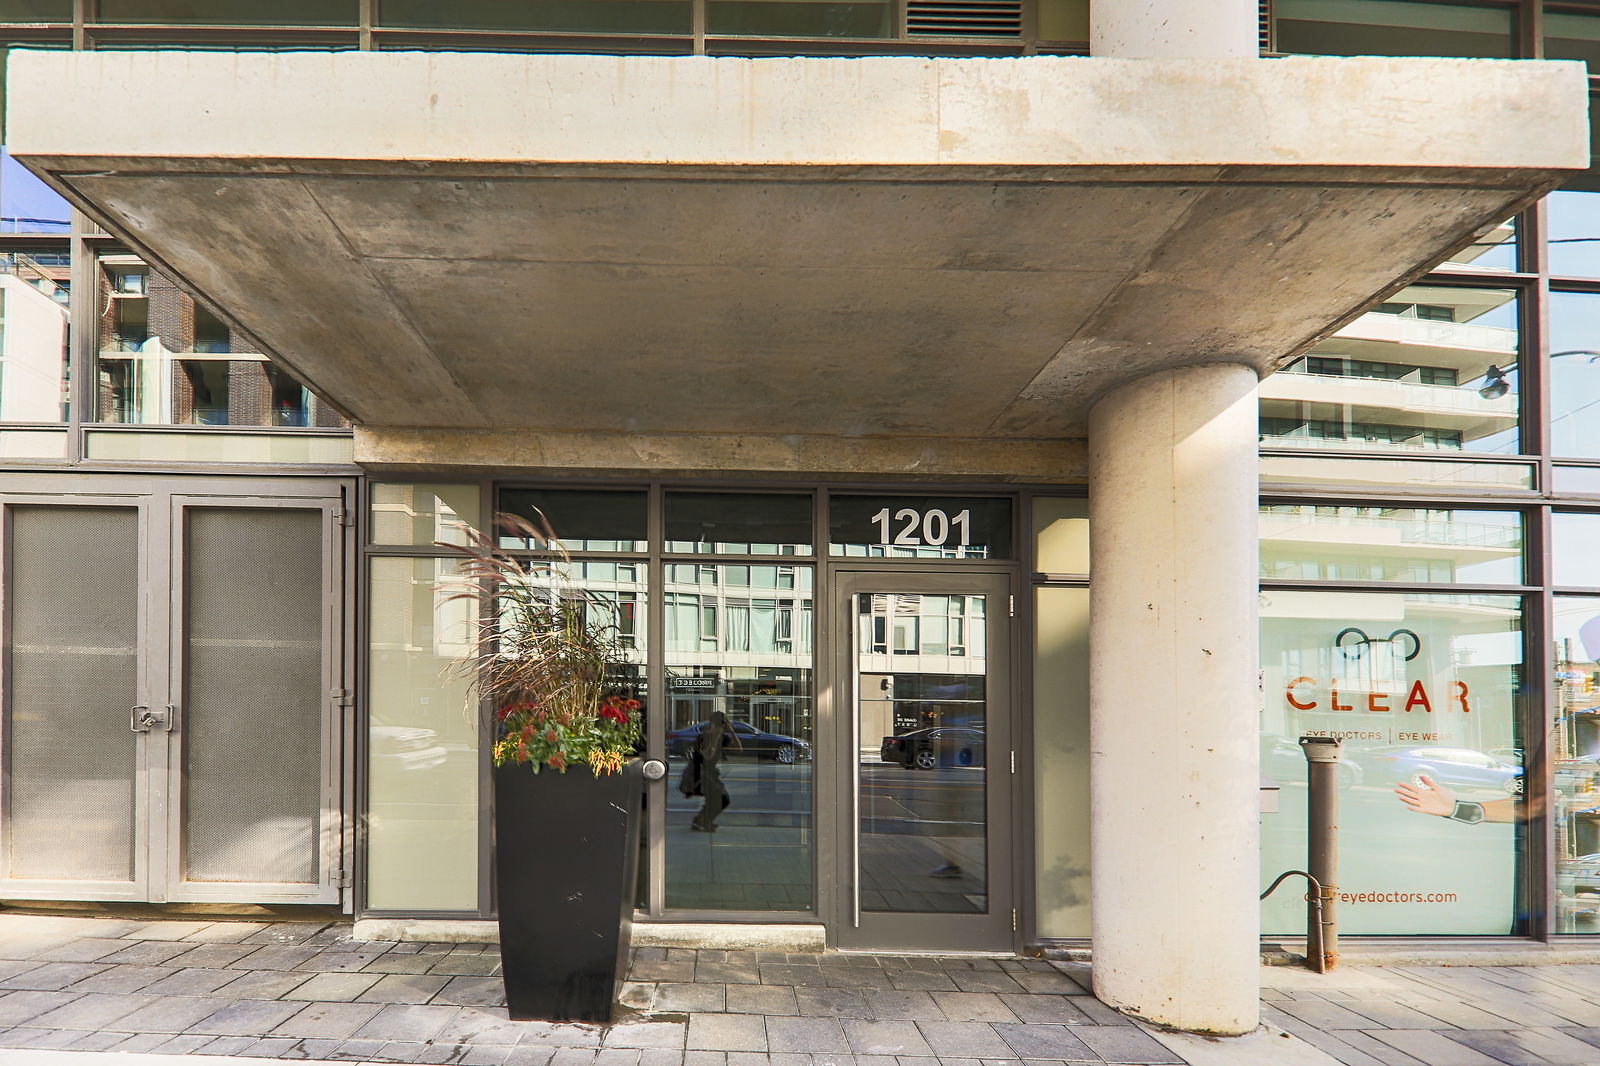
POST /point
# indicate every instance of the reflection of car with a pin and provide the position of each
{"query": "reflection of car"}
(406, 748)
(939, 746)
(751, 742)
(1454, 768)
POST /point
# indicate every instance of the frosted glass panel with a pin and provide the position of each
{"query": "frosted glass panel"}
(422, 757)
(74, 599)
(254, 691)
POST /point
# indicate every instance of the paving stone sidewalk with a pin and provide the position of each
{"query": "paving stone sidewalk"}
(307, 991)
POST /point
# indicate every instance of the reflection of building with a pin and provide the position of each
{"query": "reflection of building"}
(768, 335)
(1405, 374)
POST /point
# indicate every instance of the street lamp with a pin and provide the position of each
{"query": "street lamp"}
(1495, 384)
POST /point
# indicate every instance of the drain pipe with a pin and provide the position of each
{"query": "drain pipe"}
(1322, 848)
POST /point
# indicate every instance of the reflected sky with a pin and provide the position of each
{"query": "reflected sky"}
(26, 203)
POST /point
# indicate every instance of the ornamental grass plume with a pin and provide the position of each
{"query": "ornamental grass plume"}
(542, 654)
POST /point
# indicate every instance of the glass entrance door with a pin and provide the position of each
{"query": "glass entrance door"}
(170, 746)
(926, 827)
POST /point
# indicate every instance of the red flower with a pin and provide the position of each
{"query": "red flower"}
(552, 736)
(632, 705)
(614, 713)
(558, 761)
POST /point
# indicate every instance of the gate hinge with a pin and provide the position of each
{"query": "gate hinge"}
(1013, 919)
(342, 697)
(1013, 600)
(342, 880)
(343, 516)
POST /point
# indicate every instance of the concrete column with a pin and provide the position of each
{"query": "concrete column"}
(1174, 29)
(1174, 698)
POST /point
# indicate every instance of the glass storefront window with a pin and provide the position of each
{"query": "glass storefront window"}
(1574, 747)
(1433, 368)
(1575, 374)
(422, 743)
(1393, 28)
(1573, 224)
(738, 523)
(163, 360)
(1422, 690)
(739, 651)
(1572, 549)
(405, 513)
(1315, 542)
(1061, 535)
(559, 16)
(920, 527)
(582, 520)
(800, 18)
(33, 335)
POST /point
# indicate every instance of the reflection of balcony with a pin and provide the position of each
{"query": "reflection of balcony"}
(1391, 401)
(1465, 542)
(1422, 342)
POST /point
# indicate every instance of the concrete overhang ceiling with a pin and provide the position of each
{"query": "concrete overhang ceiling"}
(881, 247)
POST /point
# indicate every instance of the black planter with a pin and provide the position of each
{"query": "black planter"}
(566, 863)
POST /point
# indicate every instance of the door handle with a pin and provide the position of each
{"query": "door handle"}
(146, 718)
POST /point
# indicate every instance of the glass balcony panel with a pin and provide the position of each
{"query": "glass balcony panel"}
(1431, 369)
(1393, 28)
(1305, 542)
(1575, 374)
(231, 12)
(799, 18)
(553, 16)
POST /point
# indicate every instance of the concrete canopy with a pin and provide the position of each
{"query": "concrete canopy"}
(861, 265)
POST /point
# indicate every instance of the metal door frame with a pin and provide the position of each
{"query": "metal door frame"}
(326, 888)
(848, 929)
(161, 503)
(149, 638)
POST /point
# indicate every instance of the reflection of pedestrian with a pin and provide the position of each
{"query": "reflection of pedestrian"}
(707, 753)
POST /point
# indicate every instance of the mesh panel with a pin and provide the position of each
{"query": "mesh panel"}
(252, 715)
(71, 687)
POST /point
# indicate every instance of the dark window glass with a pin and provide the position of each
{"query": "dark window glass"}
(762, 18)
(35, 10)
(738, 523)
(920, 527)
(581, 519)
(1571, 36)
(563, 16)
(1393, 28)
(231, 12)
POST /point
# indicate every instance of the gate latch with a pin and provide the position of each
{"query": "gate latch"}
(146, 718)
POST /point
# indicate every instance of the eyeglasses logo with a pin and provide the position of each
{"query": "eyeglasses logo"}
(1353, 642)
